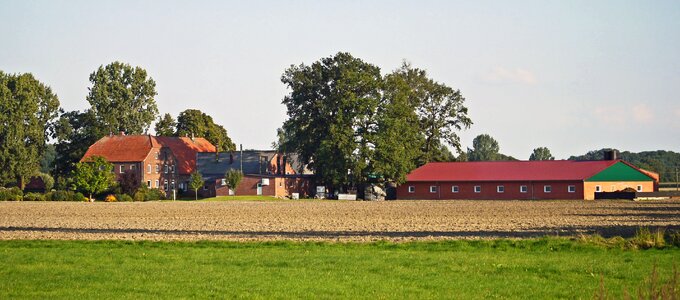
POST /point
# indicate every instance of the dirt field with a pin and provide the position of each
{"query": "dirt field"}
(330, 220)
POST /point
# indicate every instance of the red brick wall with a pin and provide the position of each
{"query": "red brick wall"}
(535, 190)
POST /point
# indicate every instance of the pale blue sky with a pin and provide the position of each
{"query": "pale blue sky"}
(572, 76)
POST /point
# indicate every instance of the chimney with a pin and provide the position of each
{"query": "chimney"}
(192, 136)
(611, 154)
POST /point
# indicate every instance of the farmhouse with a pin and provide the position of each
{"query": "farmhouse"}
(265, 173)
(156, 161)
(556, 179)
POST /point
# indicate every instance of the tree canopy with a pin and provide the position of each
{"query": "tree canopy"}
(122, 98)
(195, 122)
(541, 153)
(196, 182)
(165, 126)
(28, 109)
(93, 176)
(484, 148)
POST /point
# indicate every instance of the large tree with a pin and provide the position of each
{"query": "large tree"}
(27, 108)
(93, 176)
(541, 153)
(166, 126)
(331, 121)
(75, 132)
(484, 148)
(194, 122)
(122, 98)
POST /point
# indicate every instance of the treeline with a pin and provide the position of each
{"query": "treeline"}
(663, 162)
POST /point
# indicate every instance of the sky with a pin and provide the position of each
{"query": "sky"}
(572, 76)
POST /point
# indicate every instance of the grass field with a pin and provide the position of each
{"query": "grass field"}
(534, 268)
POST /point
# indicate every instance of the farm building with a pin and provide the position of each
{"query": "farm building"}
(156, 161)
(266, 173)
(553, 179)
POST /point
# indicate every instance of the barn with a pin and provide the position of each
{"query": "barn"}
(553, 179)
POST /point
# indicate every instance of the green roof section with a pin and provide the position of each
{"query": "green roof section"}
(620, 172)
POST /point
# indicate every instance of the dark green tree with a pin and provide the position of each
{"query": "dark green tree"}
(196, 182)
(93, 176)
(166, 126)
(194, 122)
(541, 153)
(75, 133)
(485, 148)
(27, 110)
(331, 121)
(122, 98)
(233, 178)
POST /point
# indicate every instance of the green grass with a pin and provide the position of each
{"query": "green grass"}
(535, 269)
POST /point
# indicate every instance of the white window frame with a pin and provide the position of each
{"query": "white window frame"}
(132, 167)
(122, 169)
(500, 189)
(571, 189)
(598, 189)
(411, 188)
(165, 184)
(148, 183)
(478, 188)
(158, 183)
(158, 168)
(455, 189)
(523, 189)
(148, 168)
(547, 189)
(223, 182)
(433, 189)
(639, 188)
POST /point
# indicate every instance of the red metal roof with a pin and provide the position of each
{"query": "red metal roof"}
(135, 148)
(546, 170)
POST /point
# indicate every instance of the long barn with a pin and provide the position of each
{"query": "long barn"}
(554, 179)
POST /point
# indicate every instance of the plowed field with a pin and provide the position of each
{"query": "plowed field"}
(330, 220)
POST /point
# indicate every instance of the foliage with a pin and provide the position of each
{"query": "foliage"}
(546, 268)
(144, 193)
(194, 122)
(129, 183)
(122, 98)
(79, 197)
(93, 176)
(123, 197)
(11, 194)
(34, 197)
(59, 195)
(75, 132)
(196, 182)
(662, 162)
(47, 160)
(652, 287)
(646, 239)
(47, 180)
(233, 178)
(541, 153)
(484, 148)
(110, 198)
(165, 126)
(27, 108)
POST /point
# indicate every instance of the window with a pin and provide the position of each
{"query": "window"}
(478, 188)
(156, 155)
(571, 189)
(224, 182)
(122, 169)
(172, 185)
(598, 188)
(132, 167)
(165, 169)
(205, 187)
(158, 168)
(411, 189)
(148, 168)
(500, 189)
(639, 188)
(454, 189)
(547, 189)
(165, 185)
(148, 183)
(157, 183)
(523, 189)
(172, 169)
(433, 189)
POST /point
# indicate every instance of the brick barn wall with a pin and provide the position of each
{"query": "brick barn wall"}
(610, 186)
(535, 190)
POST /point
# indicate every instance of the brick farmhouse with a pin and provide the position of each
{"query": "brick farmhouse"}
(160, 162)
(556, 179)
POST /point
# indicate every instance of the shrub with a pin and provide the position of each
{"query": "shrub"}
(110, 198)
(139, 195)
(59, 196)
(674, 238)
(11, 194)
(34, 197)
(124, 198)
(645, 239)
(79, 197)
(154, 194)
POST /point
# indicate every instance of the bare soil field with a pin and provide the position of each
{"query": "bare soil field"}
(331, 220)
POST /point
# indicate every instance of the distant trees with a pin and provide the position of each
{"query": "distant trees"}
(194, 121)
(349, 123)
(28, 108)
(484, 148)
(165, 126)
(541, 153)
(660, 161)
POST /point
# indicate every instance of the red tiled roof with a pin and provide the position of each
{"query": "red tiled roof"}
(546, 170)
(184, 149)
(135, 148)
(122, 148)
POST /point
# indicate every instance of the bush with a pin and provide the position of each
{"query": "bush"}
(645, 239)
(79, 197)
(139, 195)
(674, 237)
(11, 194)
(124, 198)
(154, 194)
(60, 196)
(110, 198)
(34, 197)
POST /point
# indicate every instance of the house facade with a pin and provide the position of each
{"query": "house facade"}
(266, 173)
(528, 180)
(158, 162)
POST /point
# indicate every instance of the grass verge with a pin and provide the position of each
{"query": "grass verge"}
(534, 268)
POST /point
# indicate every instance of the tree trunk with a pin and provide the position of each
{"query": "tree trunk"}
(196, 191)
